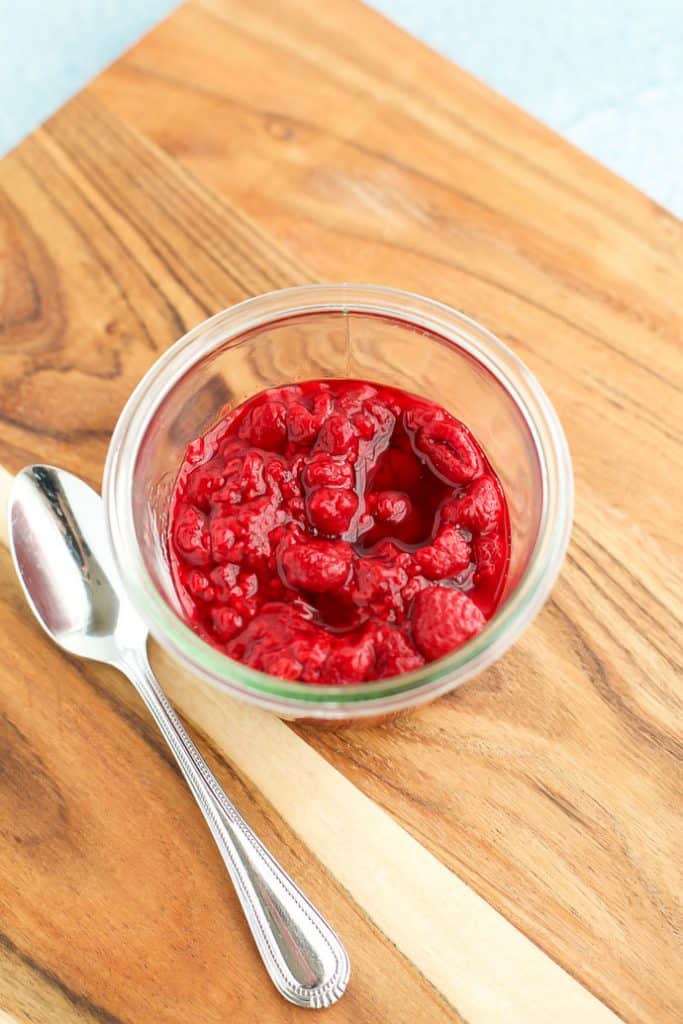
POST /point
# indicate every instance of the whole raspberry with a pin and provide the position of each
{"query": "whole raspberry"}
(449, 450)
(378, 584)
(349, 662)
(265, 426)
(203, 482)
(447, 556)
(489, 555)
(331, 510)
(478, 509)
(394, 652)
(191, 536)
(316, 565)
(324, 470)
(443, 619)
(226, 622)
(303, 423)
(390, 506)
(337, 436)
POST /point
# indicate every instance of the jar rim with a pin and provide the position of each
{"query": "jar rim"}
(316, 700)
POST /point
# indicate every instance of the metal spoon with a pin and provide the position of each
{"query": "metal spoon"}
(62, 556)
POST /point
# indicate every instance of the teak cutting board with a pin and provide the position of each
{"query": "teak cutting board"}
(510, 854)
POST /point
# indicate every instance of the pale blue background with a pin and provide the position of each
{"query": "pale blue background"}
(608, 74)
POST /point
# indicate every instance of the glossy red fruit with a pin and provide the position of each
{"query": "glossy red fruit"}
(479, 509)
(191, 536)
(394, 653)
(379, 584)
(316, 565)
(391, 506)
(226, 622)
(337, 436)
(350, 662)
(331, 510)
(447, 556)
(324, 470)
(265, 426)
(443, 619)
(449, 450)
(308, 528)
(490, 555)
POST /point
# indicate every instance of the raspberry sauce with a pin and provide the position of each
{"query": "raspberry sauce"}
(337, 532)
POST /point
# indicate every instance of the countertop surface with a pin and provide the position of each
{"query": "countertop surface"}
(607, 76)
(509, 854)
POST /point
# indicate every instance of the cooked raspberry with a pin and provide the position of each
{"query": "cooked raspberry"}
(224, 538)
(391, 506)
(311, 651)
(246, 607)
(245, 535)
(412, 588)
(303, 423)
(479, 509)
(284, 642)
(337, 436)
(281, 480)
(449, 450)
(323, 470)
(442, 620)
(223, 579)
(199, 586)
(202, 483)
(383, 417)
(244, 479)
(250, 478)
(278, 663)
(349, 662)
(191, 536)
(350, 398)
(394, 653)
(365, 425)
(265, 426)
(308, 527)
(379, 584)
(331, 510)
(374, 577)
(226, 622)
(316, 565)
(447, 556)
(423, 415)
(490, 556)
(390, 552)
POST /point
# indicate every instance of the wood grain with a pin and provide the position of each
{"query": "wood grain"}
(550, 785)
(442, 929)
(112, 898)
(369, 174)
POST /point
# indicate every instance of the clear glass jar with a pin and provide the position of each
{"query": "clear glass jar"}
(344, 330)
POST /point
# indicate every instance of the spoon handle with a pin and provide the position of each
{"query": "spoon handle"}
(302, 954)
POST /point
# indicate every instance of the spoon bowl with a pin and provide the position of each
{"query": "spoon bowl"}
(65, 565)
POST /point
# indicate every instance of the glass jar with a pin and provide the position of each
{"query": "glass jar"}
(350, 331)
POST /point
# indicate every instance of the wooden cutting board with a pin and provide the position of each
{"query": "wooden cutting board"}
(508, 855)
